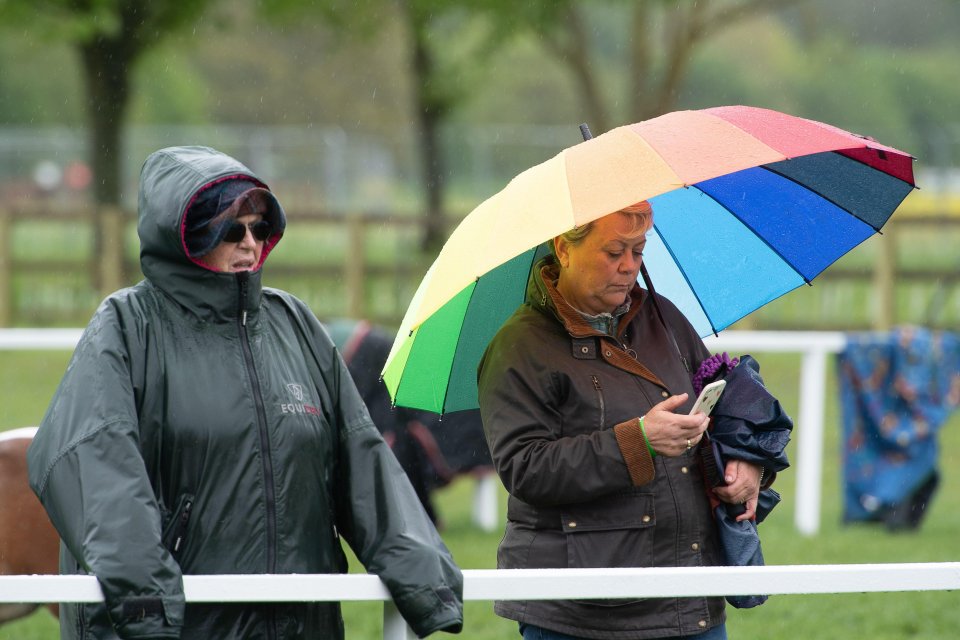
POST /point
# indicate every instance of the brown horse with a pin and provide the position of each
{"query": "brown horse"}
(28, 542)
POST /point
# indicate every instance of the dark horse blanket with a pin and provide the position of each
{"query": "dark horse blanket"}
(432, 450)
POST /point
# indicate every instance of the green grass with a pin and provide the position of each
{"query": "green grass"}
(30, 378)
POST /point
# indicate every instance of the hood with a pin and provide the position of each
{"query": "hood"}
(170, 180)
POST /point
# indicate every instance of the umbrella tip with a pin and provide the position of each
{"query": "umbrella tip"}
(585, 131)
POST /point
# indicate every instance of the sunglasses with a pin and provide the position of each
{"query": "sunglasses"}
(236, 232)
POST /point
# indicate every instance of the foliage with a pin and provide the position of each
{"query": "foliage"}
(29, 96)
(142, 24)
(340, 62)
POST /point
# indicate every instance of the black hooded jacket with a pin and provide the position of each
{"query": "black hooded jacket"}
(208, 426)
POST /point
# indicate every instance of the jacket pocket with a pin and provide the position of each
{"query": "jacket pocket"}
(617, 531)
(175, 526)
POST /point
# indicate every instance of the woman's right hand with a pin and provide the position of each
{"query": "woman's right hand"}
(669, 433)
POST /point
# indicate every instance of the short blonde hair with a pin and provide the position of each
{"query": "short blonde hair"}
(641, 213)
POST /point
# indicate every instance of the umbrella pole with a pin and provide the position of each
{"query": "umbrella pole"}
(656, 305)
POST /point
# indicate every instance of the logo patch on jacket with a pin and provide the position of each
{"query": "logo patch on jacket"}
(298, 406)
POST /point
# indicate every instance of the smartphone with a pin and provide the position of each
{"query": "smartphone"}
(708, 397)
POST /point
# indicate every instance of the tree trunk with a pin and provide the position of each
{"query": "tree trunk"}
(579, 55)
(640, 65)
(432, 161)
(430, 110)
(106, 66)
(685, 33)
(572, 45)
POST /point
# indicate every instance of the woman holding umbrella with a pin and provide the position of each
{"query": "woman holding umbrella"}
(585, 407)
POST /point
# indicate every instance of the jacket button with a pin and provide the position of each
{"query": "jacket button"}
(645, 518)
(695, 546)
(664, 394)
(702, 623)
(584, 349)
(683, 470)
(572, 525)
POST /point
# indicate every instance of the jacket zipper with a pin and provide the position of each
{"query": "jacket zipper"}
(623, 347)
(596, 385)
(182, 525)
(265, 458)
(176, 532)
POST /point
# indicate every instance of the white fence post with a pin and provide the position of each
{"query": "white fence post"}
(813, 382)
(394, 626)
(486, 508)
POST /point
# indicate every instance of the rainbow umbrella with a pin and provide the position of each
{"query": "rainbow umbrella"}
(748, 204)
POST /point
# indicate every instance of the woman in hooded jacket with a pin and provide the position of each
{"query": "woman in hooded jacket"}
(208, 425)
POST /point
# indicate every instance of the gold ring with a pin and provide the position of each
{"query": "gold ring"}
(689, 445)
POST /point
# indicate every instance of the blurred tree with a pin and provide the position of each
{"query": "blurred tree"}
(433, 103)
(435, 73)
(662, 38)
(109, 37)
(28, 95)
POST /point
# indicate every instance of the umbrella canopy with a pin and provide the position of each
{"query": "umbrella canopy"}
(748, 204)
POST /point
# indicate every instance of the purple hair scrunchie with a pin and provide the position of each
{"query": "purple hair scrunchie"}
(713, 368)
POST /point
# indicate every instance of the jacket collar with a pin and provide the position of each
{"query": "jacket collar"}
(542, 293)
(544, 280)
(209, 295)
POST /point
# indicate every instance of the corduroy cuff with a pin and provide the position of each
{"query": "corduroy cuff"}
(633, 447)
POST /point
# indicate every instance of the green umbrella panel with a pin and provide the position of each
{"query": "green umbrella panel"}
(435, 369)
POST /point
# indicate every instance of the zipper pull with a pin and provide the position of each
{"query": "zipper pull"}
(243, 318)
(184, 518)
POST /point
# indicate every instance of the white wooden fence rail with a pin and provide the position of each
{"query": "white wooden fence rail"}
(812, 345)
(524, 584)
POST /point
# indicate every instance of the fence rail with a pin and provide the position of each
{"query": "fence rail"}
(358, 268)
(114, 267)
(524, 584)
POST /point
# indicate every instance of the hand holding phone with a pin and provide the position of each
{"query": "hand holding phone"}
(708, 397)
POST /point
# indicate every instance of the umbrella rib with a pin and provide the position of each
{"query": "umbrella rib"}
(757, 235)
(683, 273)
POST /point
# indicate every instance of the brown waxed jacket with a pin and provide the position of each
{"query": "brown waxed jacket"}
(560, 402)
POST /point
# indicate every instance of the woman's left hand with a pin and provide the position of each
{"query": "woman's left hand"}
(743, 487)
